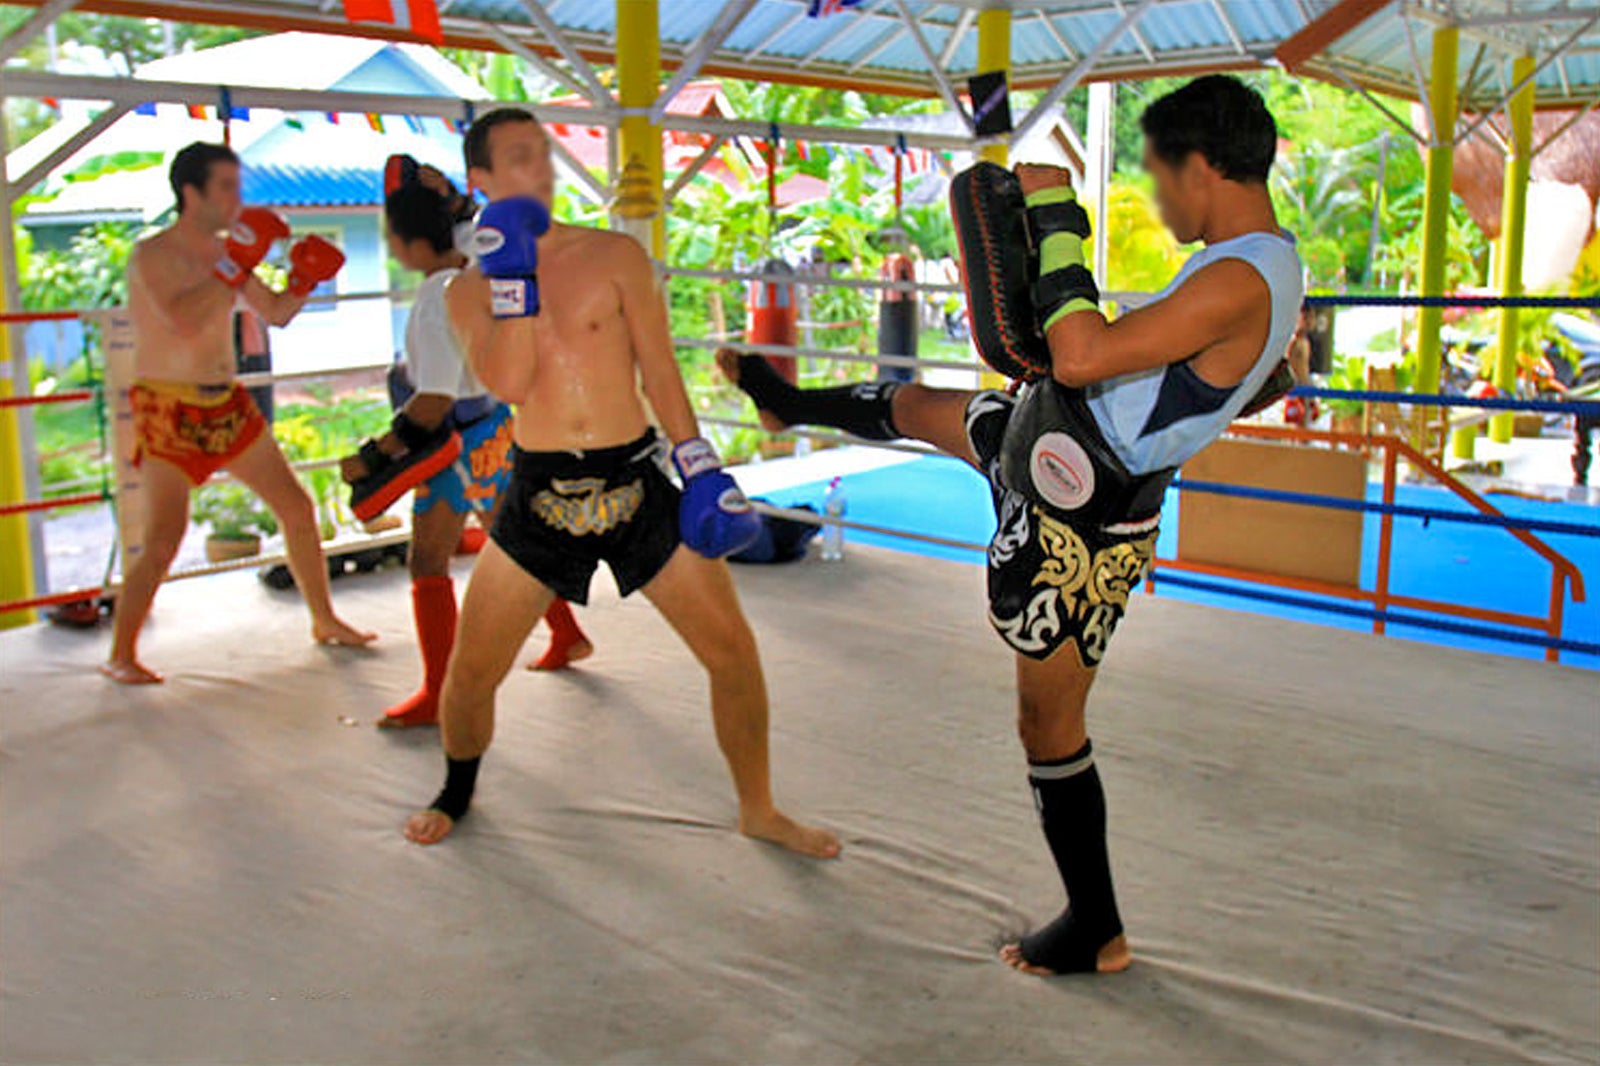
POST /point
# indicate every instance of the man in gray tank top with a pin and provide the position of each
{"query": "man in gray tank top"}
(1080, 456)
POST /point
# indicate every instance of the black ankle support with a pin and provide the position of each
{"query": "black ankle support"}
(865, 410)
(1072, 810)
(461, 776)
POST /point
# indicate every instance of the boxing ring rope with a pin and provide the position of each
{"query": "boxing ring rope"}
(1507, 625)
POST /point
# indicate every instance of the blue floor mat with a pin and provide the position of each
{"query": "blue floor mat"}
(1451, 561)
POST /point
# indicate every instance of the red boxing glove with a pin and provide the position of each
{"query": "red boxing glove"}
(312, 261)
(253, 234)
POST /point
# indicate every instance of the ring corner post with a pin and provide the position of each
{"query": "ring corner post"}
(16, 549)
(994, 54)
(639, 185)
(1513, 225)
(17, 540)
(1442, 103)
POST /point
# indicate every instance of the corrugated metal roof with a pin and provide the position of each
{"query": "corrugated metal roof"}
(871, 47)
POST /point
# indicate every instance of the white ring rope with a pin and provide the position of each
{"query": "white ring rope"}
(904, 361)
(812, 518)
(826, 438)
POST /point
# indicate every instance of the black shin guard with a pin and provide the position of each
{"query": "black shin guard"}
(461, 777)
(864, 410)
(1072, 808)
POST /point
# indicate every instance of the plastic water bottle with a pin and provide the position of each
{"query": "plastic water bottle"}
(832, 535)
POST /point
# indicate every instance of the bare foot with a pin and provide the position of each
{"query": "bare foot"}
(130, 672)
(728, 362)
(336, 631)
(428, 827)
(778, 828)
(560, 656)
(1113, 958)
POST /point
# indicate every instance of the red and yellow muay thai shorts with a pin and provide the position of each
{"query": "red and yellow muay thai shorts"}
(197, 428)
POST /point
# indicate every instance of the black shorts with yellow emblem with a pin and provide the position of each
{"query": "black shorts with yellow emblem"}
(565, 513)
(1053, 581)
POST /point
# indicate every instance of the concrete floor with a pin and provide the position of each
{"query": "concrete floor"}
(1330, 847)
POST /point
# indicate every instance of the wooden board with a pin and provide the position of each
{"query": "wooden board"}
(1285, 539)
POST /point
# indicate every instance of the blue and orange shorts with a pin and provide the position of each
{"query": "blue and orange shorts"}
(475, 480)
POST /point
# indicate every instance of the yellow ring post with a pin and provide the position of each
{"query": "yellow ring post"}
(16, 547)
(994, 53)
(1513, 223)
(16, 553)
(639, 156)
(1436, 203)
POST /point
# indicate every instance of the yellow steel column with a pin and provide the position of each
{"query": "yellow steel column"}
(639, 181)
(1436, 204)
(16, 551)
(994, 53)
(1513, 221)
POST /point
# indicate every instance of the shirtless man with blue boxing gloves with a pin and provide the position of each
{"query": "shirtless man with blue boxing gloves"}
(568, 345)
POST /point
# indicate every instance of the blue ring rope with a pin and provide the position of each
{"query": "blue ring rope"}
(1341, 503)
(1373, 614)
(1564, 407)
(1357, 299)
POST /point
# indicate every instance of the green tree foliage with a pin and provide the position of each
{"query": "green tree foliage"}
(92, 272)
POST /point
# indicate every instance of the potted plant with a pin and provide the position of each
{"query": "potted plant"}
(237, 519)
(1349, 375)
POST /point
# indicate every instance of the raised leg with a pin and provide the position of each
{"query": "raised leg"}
(697, 598)
(166, 490)
(877, 411)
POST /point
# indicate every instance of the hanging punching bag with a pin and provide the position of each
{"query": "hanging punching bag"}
(772, 318)
(897, 319)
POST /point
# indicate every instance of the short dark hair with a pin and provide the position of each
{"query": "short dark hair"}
(192, 166)
(1220, 117)
(417, 213)
(475, 146)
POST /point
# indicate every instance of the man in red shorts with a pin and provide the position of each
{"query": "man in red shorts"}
(191, 418)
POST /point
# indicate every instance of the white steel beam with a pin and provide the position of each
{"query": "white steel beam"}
(557, 37)
(36, 24)
(24, 183)
(1079, 71)
(727, 20)
(951, 101)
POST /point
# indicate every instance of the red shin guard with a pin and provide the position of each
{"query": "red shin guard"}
(433, 602)
(565, 636)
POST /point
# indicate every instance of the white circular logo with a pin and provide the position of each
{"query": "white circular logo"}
(733, 501)
(1061, 471)
(487, 240)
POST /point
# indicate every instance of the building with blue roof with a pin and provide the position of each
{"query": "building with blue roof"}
(323, 172)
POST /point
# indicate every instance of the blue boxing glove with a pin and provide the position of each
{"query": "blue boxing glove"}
(506, 243)
(714, 518)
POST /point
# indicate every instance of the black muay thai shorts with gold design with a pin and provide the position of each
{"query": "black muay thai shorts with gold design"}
(1076, 531)
(565, 513)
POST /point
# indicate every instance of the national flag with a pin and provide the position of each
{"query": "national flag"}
(240, 114)
(375, 121)
(145, 109)
(333, 117)
(197, 111)
(294, 122)
(413, 123)
(818, 9)
(421, 16)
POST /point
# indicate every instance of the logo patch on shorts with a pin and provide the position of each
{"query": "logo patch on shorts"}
(1061, 471)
